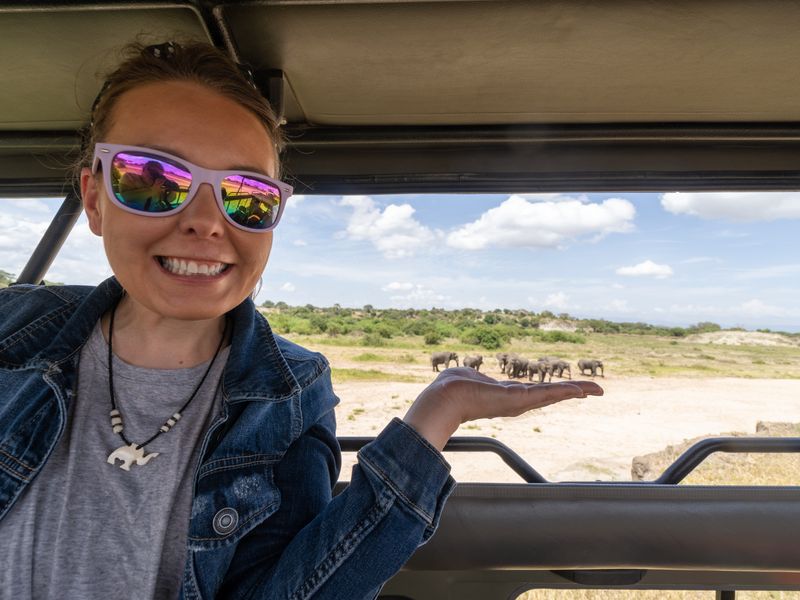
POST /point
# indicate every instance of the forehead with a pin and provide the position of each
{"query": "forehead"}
(193, 121)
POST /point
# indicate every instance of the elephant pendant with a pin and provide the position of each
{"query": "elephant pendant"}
(130, 454)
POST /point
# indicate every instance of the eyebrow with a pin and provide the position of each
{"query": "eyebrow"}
(179, 155)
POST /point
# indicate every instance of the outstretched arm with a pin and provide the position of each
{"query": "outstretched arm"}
(463, 394)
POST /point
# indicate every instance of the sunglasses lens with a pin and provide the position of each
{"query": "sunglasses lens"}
(250, 202)
(148, 183)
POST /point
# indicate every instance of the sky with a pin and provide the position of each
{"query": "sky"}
(662, 258)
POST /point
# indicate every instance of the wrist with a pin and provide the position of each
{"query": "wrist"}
(433, 421)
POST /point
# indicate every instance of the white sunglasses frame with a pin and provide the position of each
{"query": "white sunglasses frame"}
(105, 153)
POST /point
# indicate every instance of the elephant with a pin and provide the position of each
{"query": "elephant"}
(443, 358)
(541, 368)
(591, 366)
(559, 367)
(517, 367)
(502, 360)
(473, 361)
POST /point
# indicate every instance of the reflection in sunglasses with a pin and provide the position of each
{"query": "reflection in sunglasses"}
(147, 182)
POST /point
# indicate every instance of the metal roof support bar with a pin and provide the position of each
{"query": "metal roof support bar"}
(52, 240)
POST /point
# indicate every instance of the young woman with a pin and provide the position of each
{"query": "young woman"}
(156, 438)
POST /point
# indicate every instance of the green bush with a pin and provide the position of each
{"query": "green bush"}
(551, 337)
(487, 337)
(318, 324)
(433, 337)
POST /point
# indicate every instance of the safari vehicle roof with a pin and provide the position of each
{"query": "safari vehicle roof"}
(467, 95)
(478, 95)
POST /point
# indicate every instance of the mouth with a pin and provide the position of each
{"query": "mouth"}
(191, 268)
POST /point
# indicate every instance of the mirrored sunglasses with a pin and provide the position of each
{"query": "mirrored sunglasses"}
(157, 184)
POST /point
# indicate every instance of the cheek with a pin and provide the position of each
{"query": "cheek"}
(258, 251)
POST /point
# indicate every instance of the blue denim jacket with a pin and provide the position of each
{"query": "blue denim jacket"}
(286, 538)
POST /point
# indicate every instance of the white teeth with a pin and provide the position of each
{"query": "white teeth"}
(184, 267)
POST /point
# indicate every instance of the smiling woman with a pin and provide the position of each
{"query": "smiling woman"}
(166, 395)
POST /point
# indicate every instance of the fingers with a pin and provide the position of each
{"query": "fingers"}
(590, 388)
(478, 399)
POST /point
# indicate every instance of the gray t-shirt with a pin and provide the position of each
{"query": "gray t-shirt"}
(88, 529)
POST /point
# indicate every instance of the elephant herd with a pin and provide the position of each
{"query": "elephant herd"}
(515, 366)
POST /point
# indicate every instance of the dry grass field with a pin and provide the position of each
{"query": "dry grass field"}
(659, 392)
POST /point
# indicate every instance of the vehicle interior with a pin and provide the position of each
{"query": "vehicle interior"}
(408, 96)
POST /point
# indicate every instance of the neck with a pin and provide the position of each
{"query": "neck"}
(149, 340)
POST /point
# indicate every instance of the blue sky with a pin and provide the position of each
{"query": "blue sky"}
(672, 259)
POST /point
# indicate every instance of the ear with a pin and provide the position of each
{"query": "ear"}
(92, 202)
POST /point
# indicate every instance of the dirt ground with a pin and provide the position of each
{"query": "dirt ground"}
(592, 438)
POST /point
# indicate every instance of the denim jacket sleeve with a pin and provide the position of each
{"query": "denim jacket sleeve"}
(348, 546)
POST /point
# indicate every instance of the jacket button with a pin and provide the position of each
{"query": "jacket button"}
(225, 521)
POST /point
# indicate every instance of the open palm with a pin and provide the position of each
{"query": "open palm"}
(462, 394)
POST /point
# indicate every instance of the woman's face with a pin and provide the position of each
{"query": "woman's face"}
(200, 125)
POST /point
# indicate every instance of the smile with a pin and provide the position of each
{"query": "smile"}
(180, 266)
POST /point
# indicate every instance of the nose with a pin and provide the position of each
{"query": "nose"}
(202, 216)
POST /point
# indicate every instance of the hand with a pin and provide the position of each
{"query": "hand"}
(462, 394)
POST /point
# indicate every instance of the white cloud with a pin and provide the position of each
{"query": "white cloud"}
(558, 301)
(397, 286)
(518, 222)
(288, 287)
(646, 269)
(23, 222)
(393, 230)
(735, 206)
(300, 243)
(419, 295)
(551, 197)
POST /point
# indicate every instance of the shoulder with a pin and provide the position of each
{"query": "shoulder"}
(55, 320)
(285, 368)
(308, 374)
(44, 295)
(33, 307)
(313, 374)
(306, 365)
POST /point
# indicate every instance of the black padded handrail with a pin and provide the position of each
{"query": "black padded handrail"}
(563, 526)
(697, 453)
(674, 474)
(465, 444)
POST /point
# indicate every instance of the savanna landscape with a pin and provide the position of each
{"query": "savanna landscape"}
(664, 387)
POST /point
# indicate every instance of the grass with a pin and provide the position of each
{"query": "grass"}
(624, 355)
(393, 358)
(747, 469)
(344, 375)
(368, 357)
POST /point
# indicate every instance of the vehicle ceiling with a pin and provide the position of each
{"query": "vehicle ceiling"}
(390, 96)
